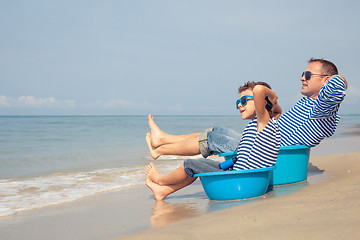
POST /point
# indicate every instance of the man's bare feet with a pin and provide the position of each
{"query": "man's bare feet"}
(152, 173)
(153, 151)
(156, 133)
(158, 191)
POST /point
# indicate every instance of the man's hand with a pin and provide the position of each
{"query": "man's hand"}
(342, 79)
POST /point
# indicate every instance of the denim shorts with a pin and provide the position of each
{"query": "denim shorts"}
(202, 165)
(217, 140)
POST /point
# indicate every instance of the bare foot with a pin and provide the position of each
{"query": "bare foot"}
(158, 191)
(153, 152)
(152, 173)
(156, 133)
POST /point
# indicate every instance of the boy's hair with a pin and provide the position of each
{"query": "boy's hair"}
(250, 85)
(328, 67)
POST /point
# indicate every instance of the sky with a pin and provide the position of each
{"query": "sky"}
(167, 57)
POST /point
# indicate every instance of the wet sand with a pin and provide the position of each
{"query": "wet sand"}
(329, 209)
(323, 207)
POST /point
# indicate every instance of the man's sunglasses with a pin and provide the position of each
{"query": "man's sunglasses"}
(308, 75)
(243, 100)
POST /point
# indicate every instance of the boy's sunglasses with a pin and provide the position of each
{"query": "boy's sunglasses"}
(308, 75)
(243, 100)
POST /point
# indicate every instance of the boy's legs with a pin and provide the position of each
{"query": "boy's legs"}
(160, 192)
(175, 177)
(163, 185)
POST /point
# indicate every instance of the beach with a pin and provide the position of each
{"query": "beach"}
(325, 206)
(329, 209)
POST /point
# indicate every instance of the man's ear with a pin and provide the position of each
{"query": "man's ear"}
(326, 79)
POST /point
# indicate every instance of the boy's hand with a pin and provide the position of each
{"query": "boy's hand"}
(273, 98)
(276, 110)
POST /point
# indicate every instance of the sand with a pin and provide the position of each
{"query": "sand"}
(326, 206)
(329, 209)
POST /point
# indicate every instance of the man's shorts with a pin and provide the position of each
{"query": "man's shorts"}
(218, 140)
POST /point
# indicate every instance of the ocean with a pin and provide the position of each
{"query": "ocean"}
(47, 160)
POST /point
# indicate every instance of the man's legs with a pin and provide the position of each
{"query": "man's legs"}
(158, 137)
(161, 143)
(211, 141)
(187, 147)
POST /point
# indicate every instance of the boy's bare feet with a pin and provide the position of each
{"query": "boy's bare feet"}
(158, 191)
(152, 173)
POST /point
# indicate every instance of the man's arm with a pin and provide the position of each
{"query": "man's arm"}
(346, 84)
(330, 97)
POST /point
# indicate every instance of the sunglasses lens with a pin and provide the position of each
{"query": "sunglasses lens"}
(243, 100)
(307, 75)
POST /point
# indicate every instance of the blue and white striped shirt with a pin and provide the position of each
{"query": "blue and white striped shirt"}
(311, 120)
(258, 149)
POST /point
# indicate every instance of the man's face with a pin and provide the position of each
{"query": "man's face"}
(311, 88)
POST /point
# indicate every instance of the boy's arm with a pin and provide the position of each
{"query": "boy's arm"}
(276, 110)
(260, 93)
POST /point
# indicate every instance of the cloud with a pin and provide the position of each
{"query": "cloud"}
(353, 91)
(122, 104)
(33, 102)
(352, 95)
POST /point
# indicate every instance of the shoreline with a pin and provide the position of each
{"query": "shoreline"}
(325, 210)
(134, 214)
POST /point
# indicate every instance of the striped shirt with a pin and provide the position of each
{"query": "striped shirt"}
(258, 149)
(311, 120)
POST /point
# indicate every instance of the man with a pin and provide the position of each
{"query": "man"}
(308, 122)
(315, 116)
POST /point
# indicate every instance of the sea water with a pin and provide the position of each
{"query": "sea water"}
(47, 160)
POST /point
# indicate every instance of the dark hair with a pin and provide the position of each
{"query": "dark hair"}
(250, 86)
(328, 67)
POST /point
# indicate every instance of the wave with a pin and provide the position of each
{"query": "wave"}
(18, 194)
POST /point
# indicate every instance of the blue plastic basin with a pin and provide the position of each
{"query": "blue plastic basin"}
(291, 165)
(231, 185)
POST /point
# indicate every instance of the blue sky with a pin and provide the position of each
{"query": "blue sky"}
(167, 57)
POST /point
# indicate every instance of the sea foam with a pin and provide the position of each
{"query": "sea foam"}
(17, 194)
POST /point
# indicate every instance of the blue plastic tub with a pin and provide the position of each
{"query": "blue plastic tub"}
(291, 165)
(231, 185)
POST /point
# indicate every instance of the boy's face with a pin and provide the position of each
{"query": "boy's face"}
(247, 111)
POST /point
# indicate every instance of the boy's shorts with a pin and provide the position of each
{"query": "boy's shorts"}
(202, 165)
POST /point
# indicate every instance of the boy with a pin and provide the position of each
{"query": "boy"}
(259, 146)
